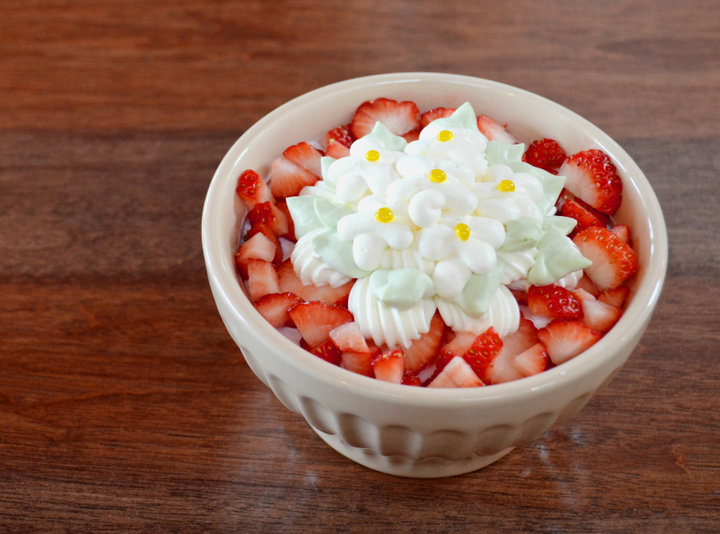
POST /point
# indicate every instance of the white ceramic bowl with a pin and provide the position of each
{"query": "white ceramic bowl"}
(405, 430)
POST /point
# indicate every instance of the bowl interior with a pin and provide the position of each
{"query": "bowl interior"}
(528, 115)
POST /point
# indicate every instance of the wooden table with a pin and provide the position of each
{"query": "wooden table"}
(124, 404)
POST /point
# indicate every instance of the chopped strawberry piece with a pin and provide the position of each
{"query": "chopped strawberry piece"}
(592, 177)
(410, 379)
(257, 247)
(314, 320)
(359, 362)
(290, 281)
(457, 346)
(531, 361)
(522, 339)
(306, 156)
(435, 113)
(495, 131)
(412, 135)
(274, 308)
(264, 229)
(389, 366)
(456, 374)
(337, 150)
(597, 314)
(553, 301)
(282, 207)
(546, 154)
(622, 231)
(398, 117)
(588, 285)
(287, 178)
(252, 189)
(613, 260)
(268, 213)
(502, 368)
(564, 340)
(349, 337)
(262, 279)
(615, 296)
(328, 352)
(483, 351)
(341, 135)
(585, 215)
(424, 349)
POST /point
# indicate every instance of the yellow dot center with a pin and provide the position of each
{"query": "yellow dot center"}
(506, 186)
(437, 176)
(444, 136)
(372, 155)
(384, 215)
(462, 230)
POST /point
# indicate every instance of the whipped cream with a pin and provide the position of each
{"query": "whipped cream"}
(445, 223)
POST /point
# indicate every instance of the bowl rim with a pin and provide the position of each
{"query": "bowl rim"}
(223, 279)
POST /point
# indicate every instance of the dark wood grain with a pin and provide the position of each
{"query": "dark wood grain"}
(125, 406)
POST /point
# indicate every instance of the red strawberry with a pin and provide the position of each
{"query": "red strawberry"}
(410, 379)
(436, 113)
(398, 117)
(289, 281)
(457, 346)
(483, 351)
(613, 260)
(337, 150)
(264, 229)
(615, 296)
(531, 361)
(553, 301)
(495, 131)
(412, 135)
(545, 153)
(349, 337)
(257, 247)
(456, 374)
(424, 349)
(341, 135)
(359, 362)
(268, 213)
(585, 215)
(597, 314)
(274, 308)
(623, 232)
(588, 285)
(564, 340)
(592, 176)
(252, 189)
(389, 366)
(287, 178)
(305, 156)
(328, 352)
(262, 279)
(502, 368)
(315, 320)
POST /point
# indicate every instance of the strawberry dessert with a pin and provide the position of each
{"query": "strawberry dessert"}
(435, 249)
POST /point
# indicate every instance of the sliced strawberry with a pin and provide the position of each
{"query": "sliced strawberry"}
(424, 349)
(359, 362)
(262, 279)
(389, 366)
(592, 176)
(564, 340)
(545, 153)
(585, 215)
(502, 368)
(287, 178)
(456, 374)
(252, 189)
(588, 285)
(623, 232)
(289, 281)
(553, 301)
(268, 213)
(314, 320)
(457, 346)
(484, 349)
(274, 308)
(264, 229)
(257, 247)
(435, 113)
(282, 207)
(348, 337)
(531, 361)
(522, 339)
(410, 379)
(495, 131)
(306, 156)
(412, 135)
(613, 260)
(597, 314)
(341, 135)
(337, 150)
(398, 117)
(615, 296)
(328, 352)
